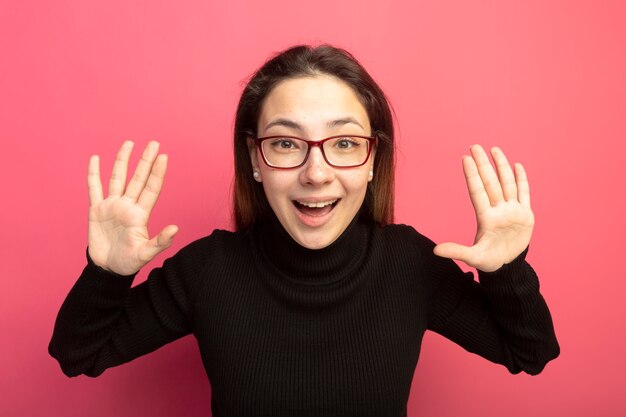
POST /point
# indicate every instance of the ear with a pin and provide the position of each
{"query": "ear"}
(254, 159)
(370, 162)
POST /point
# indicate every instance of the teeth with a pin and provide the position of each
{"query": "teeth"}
(318, 204)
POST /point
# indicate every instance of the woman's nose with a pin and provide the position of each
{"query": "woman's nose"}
(316, 170)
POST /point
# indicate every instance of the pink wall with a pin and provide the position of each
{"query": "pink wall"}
(545, 80)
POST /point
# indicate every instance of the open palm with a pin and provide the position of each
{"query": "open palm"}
(118, 224)
(501, 200)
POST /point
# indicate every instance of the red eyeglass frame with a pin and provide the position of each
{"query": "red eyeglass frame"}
(373, 141)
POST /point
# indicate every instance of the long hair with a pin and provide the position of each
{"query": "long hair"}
(249, 202)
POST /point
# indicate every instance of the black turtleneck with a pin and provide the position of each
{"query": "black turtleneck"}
(288, 331)
(314, 266)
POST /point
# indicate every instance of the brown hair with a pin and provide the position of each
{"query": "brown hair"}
(250, 203)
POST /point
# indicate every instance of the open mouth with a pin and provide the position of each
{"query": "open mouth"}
(315, 209)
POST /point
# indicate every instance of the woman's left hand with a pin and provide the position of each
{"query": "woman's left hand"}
(503, 215)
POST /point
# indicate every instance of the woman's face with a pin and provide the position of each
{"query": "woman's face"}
(313, 108)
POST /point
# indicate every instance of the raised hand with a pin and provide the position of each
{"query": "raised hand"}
(118, 224)
(504, 218)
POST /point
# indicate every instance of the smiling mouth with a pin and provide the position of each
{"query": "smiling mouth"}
(315, 209)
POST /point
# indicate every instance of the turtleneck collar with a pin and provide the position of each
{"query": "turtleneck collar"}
(313, 266)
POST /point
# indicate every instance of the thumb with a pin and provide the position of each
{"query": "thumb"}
(160, 242)
(453, 251)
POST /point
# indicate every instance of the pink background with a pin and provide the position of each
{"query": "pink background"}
(545, 80)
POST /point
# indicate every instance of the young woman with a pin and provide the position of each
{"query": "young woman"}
(317, 304)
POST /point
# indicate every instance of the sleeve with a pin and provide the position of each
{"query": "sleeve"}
(104, 322)
(502, 318)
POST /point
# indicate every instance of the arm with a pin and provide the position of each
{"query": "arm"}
(504, 318)
(95, 323)
(104, 322)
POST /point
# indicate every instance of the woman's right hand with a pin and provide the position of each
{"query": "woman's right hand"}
(118, 224)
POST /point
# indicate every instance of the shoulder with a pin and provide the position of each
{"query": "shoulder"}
(401, 243)
(404, 234)
(201, 251)
(196, 263)
(216, 241)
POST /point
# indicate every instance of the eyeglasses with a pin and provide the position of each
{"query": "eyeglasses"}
(342, 151)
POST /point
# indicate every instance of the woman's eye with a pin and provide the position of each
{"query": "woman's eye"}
(284, 144)
(345, 143)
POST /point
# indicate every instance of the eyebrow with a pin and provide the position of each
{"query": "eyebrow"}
(293, 125)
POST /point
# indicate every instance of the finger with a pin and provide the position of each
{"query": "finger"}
(505, 174)
(142, 172)
(117, 182)
(94, 185)
(487, 174)
(150, 193)
(159, 243)
(454, 251)
(475, 186)
(523, 189)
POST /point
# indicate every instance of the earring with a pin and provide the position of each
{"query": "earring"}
(256, 175)
(371, 174)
